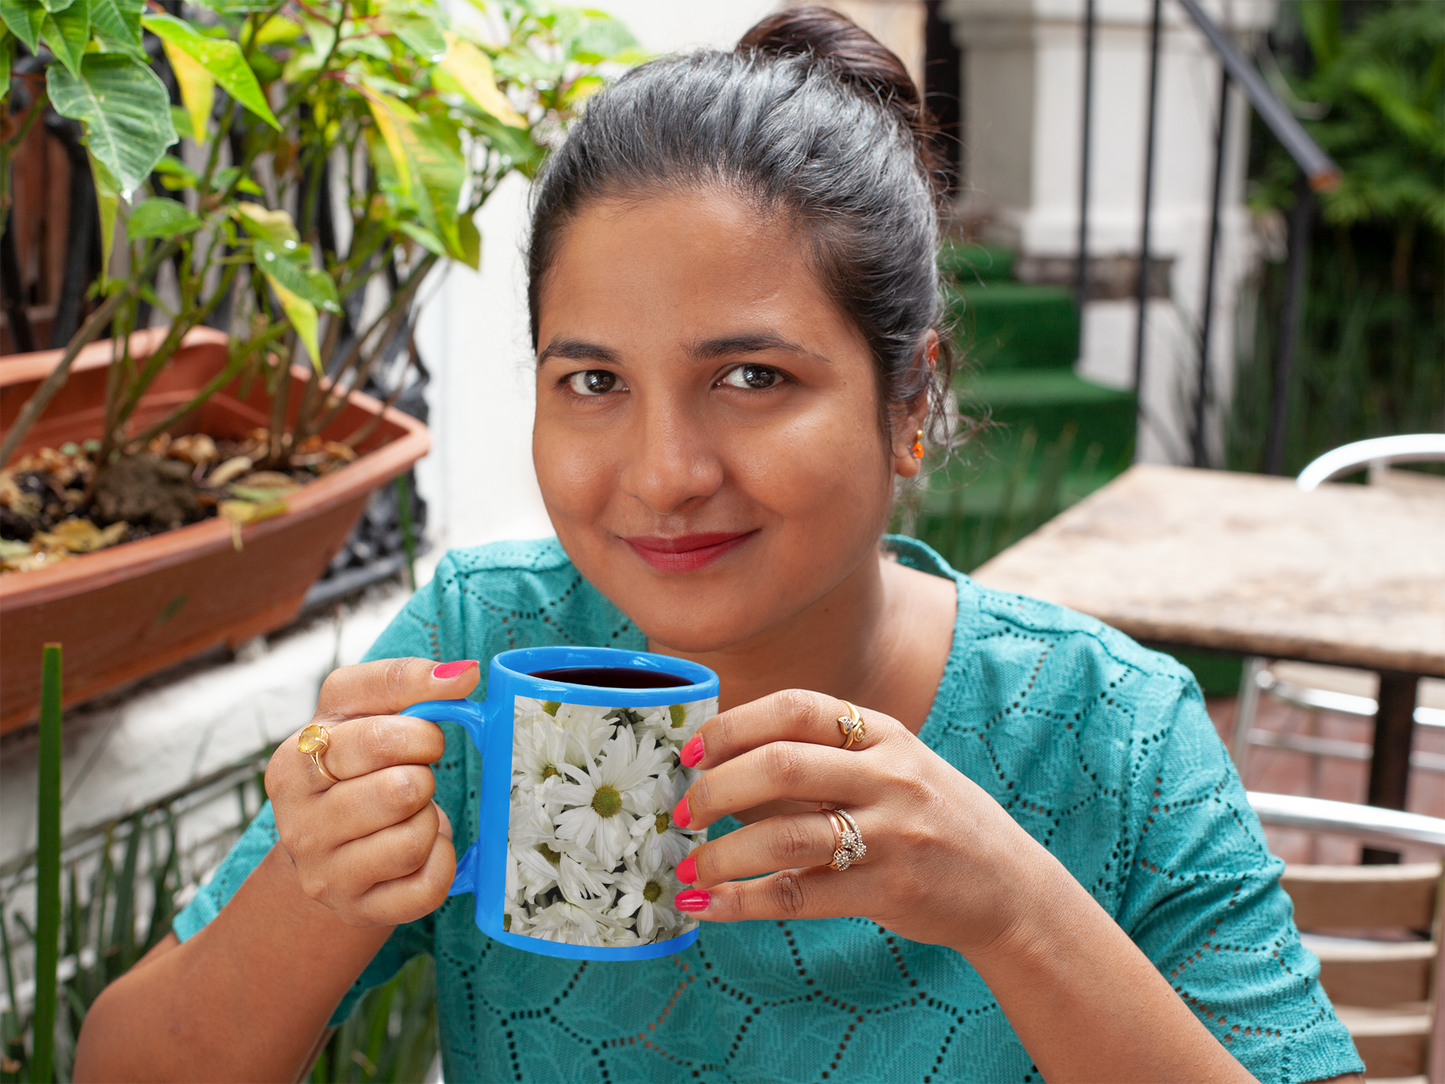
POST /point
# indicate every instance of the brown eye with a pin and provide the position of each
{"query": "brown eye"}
(752, 377)
(592, 382)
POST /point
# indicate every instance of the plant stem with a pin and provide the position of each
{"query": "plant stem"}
(408, 540)
(92, 327)
(47, 870)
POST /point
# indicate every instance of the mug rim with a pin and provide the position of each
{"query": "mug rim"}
(518, 662)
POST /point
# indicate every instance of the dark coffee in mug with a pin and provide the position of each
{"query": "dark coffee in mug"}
(613, 677)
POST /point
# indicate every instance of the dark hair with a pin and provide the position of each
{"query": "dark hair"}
(811, 118)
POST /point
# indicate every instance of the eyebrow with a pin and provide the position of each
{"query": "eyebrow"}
(707, 350)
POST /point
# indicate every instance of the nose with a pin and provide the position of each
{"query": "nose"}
(673, 464)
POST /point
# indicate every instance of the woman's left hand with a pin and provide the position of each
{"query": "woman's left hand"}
(945, 863)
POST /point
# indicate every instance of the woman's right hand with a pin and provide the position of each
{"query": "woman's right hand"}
(374, 847)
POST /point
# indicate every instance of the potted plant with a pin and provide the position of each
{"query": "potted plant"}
(331, 154)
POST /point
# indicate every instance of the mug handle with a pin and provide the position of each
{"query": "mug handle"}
(471, 717)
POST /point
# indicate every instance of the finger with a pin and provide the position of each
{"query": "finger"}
(792, 715)
(355, 748)
(780, 771)
(372, 802)
(791, 841)
(396, 851)
(817, 892)
(406, 899)
(387, 686)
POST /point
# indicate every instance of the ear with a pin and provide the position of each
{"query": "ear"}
(905, 433)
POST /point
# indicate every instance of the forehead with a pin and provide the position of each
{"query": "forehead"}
(679, 267)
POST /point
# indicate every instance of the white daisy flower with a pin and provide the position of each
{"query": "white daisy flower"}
(649, 897)
(544, 861)
(658, 843)
(539, 751)
(608, 795)
(684, 719)
(571, 923)
(587, 728)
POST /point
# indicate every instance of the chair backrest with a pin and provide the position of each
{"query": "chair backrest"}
(1377, 931)
(1348, 458)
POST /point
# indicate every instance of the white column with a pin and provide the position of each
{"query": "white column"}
(1023, 76)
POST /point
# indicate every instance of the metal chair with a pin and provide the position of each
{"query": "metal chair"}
(1389, 993)
(1376, 456)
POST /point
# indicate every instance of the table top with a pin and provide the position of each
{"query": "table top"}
(1349, 575)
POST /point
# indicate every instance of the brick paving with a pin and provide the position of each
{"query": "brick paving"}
(1284, 771)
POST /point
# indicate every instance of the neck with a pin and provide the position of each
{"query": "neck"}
(844, 644)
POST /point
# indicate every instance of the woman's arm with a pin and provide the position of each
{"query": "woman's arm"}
(247, 997)
(946, 865)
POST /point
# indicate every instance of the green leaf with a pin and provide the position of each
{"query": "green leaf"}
(175, 174)
(6, 49)
(220, 57)
(117, 24)
(67, 32)
(125, 109)
(198, 91)
(417, 32)
(472, 69)
(470, 242)
(266, 225)
(56, 6)
(24, 20)
(107, 200)
(161, 218)
(289, 264)
(426, 159)
(302, 315)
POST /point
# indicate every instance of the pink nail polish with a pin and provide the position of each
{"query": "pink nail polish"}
(453, 669)
(692, 752)
(694, 899)
(687, 870)
(681, 815)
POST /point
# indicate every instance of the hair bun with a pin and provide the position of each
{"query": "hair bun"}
(860, 60)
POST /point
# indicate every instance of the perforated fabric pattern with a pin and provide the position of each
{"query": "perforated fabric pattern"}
(1099, 749)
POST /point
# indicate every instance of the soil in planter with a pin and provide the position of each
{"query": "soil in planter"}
(53, 506)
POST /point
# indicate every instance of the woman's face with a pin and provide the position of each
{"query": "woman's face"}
(707, 437)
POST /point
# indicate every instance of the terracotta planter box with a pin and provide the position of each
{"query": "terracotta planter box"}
(131, 610)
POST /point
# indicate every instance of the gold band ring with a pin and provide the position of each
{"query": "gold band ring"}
(848, 844)
(313, 741)
(851, 725)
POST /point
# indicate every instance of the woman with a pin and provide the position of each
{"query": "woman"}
(734, 307)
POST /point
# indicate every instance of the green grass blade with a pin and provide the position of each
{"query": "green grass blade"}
(47, 864)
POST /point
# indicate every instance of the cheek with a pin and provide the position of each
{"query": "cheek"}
(575, 470)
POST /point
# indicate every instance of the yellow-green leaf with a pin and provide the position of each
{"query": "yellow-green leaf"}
(219, 56)
(67, 31)
(472, 69)
(302, 315)
(390, 114)
(265, 223)
(107, 200)
(198, 89)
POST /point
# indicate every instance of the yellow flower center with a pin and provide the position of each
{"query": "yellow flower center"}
(607, 802)
(663, 823)
(652, 891)
(555, 857)
(549, 771)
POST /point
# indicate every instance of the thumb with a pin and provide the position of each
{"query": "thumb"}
(386, 686)
(444, 823)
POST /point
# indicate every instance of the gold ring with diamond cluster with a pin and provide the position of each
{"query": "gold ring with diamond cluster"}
(313, 741)
(848, 844)
(851, 725)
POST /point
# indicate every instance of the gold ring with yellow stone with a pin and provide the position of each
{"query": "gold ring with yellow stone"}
(313, 741)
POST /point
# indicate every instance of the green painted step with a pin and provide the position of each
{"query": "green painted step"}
(970, 263)
(1015, 325)
(1049, 401)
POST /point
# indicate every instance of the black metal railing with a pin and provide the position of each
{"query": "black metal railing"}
(1318, 173)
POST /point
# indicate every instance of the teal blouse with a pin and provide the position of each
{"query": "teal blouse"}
(1099, 748)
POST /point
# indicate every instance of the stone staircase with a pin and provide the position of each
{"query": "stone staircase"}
(1052, 437)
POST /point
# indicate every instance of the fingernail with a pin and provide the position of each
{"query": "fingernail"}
(693, 899)
(692, 752)
(681, 815)
(687, 870)
(452, 669)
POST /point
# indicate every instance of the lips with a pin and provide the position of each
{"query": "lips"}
(687, 553)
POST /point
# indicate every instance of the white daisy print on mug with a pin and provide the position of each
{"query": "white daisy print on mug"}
(591, 848)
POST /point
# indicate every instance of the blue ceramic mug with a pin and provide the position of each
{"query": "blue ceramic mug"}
(576, 854)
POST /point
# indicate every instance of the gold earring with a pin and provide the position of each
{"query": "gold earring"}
(918, 445)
